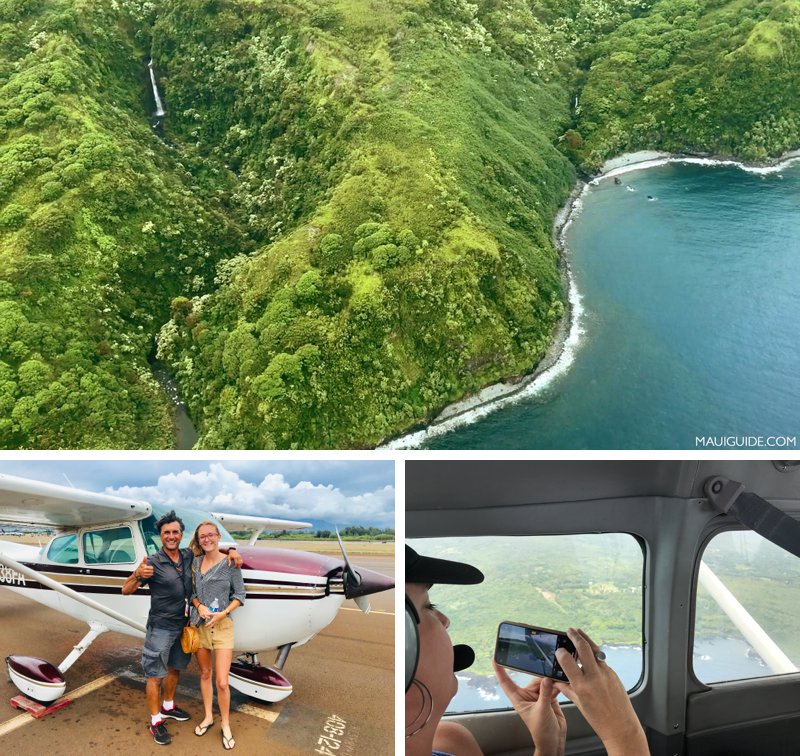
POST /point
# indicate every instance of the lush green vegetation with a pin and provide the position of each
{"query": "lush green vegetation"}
(100, 227)
(412, 262)
(695, 75)
(346, 224)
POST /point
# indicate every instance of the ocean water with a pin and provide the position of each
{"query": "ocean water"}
(689, 282)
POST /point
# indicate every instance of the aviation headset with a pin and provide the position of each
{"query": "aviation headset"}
(463, 655)
(412, 641)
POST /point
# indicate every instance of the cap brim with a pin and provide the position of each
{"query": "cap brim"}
(429, 570)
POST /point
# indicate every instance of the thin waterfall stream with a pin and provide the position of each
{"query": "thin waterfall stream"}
(185, 432)
(160, 112)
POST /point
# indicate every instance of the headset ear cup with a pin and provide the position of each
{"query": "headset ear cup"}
(412, 642)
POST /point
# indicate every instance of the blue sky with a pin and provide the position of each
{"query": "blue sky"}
(339, 491)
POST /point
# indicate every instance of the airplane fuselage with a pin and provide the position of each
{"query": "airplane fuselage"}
(290, 595)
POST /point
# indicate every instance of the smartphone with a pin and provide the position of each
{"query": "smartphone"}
(531, 649)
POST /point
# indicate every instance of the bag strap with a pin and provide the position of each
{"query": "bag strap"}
(189, 607)
(729, 497)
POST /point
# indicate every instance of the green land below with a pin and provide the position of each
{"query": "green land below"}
(595, 582)
(343, 222)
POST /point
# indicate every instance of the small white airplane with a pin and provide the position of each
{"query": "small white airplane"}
(99, 540)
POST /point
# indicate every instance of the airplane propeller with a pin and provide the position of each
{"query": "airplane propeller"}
(352, 580)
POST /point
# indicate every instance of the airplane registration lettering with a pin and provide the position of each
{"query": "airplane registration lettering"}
(11, 577)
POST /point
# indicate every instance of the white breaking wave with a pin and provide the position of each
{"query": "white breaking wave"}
(790, 158)
(501, 395)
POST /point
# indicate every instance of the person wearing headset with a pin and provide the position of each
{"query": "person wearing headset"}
(432, 660)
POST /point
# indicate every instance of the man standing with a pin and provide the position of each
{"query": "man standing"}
(168, 573)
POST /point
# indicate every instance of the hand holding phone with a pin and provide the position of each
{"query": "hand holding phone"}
(531, 649)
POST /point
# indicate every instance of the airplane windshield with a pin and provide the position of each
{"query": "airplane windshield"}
(191, 519)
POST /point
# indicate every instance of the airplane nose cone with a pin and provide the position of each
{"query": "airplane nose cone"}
(371, 582)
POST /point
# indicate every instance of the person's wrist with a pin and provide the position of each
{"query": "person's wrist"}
(549, 744)
(629, 740)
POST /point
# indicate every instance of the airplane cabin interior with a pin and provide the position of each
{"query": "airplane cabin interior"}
(695, 608)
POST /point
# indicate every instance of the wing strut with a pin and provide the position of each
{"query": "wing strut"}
(56, 586)
(729, 497)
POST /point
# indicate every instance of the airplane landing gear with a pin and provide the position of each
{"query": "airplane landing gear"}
(268, 684)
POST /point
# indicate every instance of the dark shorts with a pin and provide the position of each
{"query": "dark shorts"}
(162, 649)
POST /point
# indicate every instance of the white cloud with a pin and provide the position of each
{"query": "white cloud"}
(221, 490)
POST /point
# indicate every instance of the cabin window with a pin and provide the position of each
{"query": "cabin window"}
(63, 549)
(746, 610)
(589, 581)
(109, 546)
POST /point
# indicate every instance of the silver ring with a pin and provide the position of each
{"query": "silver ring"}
(600, 656)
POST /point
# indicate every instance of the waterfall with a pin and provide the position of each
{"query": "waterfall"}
(159, 105)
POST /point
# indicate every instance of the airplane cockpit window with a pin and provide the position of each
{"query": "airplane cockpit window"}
(109, 546)
(746, 621)
(152, 543)
(64, 549)
(592, 581)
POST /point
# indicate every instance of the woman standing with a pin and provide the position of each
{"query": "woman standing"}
(217, 590)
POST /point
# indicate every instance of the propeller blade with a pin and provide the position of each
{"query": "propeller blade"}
(351, 578)
(362, 602)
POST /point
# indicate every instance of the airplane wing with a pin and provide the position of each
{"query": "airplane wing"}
(244, 522)
(31, 502)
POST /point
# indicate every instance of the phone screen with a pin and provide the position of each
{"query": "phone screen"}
(531, 649)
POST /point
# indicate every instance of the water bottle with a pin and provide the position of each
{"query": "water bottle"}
(214, 606)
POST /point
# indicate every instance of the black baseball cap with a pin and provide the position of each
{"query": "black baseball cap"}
(429, 570)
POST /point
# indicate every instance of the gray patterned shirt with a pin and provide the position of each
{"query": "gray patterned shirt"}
(222, 582)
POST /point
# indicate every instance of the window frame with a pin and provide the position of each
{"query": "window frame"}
(715, 529)
(62, 536)
(92, 531)
(643, 547)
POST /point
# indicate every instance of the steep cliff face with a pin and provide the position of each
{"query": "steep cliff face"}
(343, 221)
(401, 171)
(100, 226)
(699, 75)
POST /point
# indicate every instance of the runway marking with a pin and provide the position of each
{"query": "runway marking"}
(23, 719)
(254, 711)
(374, 611)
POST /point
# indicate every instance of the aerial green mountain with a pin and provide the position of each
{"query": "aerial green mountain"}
(343, 222)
